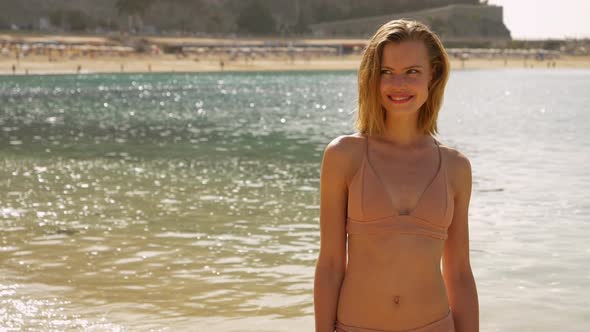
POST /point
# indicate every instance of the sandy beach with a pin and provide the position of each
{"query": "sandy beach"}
(34, 65)
(171, 63)
(83, 62)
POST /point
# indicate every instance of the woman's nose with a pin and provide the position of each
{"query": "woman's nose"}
(394, 79)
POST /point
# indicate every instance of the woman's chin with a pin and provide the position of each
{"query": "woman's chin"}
(401, 110)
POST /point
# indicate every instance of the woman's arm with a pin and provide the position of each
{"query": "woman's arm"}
(331, 262)
(457, 273)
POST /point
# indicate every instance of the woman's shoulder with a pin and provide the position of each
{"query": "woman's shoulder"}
(455, 157)
(458, 165)
(347, 146)
(345, 153)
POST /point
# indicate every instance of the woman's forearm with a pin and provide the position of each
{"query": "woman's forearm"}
(326, 292)
(464, 304)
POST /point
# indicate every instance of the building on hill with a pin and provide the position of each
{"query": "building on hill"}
(453, 23)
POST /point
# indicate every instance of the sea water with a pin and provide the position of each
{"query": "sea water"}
(191, 202)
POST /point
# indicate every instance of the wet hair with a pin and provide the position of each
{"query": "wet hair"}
(370, 114)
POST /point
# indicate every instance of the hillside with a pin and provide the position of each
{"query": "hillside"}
(211, 17)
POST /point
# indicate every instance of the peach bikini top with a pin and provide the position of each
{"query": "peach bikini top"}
(371, 210)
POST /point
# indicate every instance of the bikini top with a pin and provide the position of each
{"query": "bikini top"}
(371, 210)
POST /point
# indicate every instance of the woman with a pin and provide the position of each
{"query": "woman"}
(394, 201)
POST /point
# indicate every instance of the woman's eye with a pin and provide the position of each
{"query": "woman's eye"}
(413, 71)
(385, 71)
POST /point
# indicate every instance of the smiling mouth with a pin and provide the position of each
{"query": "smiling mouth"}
(399, 99)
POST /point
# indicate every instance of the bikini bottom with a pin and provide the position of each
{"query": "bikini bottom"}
(445, 324)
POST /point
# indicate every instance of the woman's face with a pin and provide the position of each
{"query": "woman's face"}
(405, 76)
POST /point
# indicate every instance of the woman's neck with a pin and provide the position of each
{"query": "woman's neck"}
(403, 131)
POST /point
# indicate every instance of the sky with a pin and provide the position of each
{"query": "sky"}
(540, 19)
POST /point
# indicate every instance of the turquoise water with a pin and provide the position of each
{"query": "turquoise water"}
(166, 202)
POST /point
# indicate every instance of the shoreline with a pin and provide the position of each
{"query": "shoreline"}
(170, 64)
(42, 54)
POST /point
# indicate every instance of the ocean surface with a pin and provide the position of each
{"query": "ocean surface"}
(173, 202)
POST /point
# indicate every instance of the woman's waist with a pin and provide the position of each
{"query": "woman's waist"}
(395, 248)
(394, 262)
(418, 286)
(401, 301)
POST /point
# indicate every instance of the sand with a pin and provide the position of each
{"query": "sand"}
(169, 63)
(142, 63)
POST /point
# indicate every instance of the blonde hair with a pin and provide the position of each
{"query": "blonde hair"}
(370, 115)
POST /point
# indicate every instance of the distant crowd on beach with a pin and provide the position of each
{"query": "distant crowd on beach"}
(226, 54)
(53, 50)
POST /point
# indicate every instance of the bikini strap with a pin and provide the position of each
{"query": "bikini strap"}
(367, 147)
(440, 155)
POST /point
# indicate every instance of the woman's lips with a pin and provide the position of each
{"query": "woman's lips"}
(400, 99)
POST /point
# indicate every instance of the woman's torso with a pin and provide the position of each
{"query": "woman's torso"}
(396, 237)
